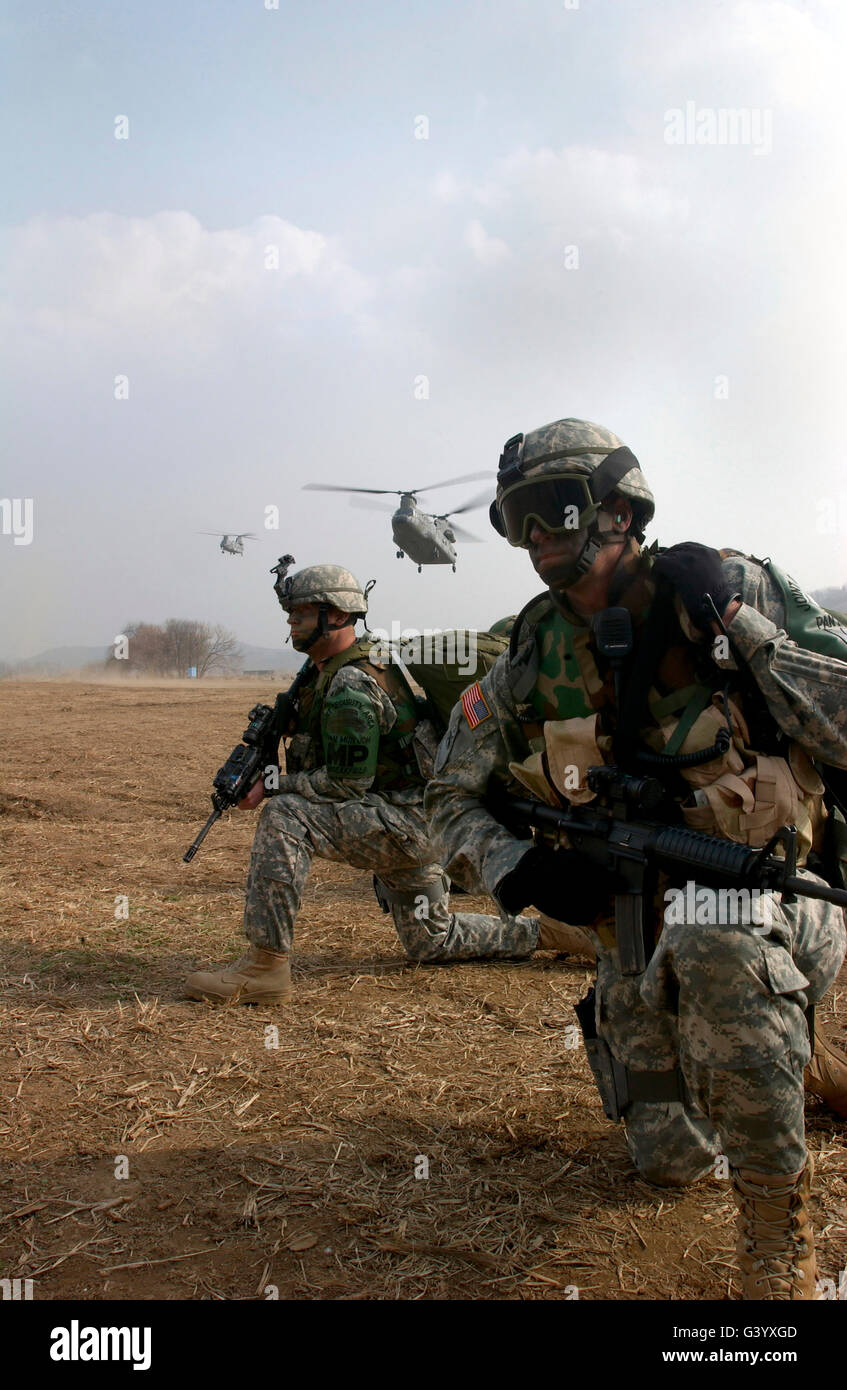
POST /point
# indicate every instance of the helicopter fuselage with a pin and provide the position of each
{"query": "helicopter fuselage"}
(426, 539)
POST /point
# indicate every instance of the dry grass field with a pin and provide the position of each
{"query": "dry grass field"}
(261, 1161)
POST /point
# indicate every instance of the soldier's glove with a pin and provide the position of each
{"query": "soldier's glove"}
(694, 571)
(559, 882)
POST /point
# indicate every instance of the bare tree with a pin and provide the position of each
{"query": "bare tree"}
(224, 652)
(174, 648)
(145, 651)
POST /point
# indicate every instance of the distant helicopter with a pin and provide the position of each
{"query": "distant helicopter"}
(230, 545)
(426, 537)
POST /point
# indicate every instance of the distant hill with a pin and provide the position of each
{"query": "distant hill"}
(282, 658)
(832, 598)
(60, 659)
(270, 658)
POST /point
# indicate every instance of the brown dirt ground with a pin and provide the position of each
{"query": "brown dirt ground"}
(254, 1167)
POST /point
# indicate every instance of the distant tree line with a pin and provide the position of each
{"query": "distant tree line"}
(173, 648)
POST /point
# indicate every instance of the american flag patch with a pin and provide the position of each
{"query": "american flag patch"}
(474, 706)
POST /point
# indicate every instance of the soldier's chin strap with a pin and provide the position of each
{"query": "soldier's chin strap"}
(321, 629)
(602, 483)
(594, 543)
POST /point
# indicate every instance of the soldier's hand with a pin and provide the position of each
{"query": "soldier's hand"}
(694, 571)
(253, 797)
(559, 882)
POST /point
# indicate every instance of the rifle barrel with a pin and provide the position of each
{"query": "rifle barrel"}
(693, 849)
(189, 855)
(804, 888)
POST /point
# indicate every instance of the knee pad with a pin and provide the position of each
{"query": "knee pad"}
(435, 887)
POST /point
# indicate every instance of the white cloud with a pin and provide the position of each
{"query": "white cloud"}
(750, 52)
(94, 277)
(446, 188)
(800, 58)
(488, 250)
(584, 185)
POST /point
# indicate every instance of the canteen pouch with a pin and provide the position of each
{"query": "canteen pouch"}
(751, 806)
(743, 795)
(558, 773)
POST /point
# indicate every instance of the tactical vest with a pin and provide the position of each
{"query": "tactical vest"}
(744, 796)
(396, 765)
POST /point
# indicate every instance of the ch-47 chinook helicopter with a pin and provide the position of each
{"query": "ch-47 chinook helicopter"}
(230, 544)
(426, 537)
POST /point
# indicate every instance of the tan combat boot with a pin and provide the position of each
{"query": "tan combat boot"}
(560, 936)
(775, 1245)
(826, 1074)
(260, 977)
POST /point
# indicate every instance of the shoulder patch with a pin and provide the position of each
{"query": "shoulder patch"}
(474, 706)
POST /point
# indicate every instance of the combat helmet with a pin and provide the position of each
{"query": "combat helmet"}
(329, 586)
(560, 475)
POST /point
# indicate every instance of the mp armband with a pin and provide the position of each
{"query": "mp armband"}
(351, 735)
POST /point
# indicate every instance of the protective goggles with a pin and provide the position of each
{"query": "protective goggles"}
(562, 503)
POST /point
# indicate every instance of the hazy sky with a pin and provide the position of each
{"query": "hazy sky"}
(560, 244)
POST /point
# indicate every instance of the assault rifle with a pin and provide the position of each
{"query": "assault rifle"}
(255, 756)
(636, 849)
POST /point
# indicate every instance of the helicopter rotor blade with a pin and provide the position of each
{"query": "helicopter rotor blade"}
(462, 535)
(450, 482)
(361, 505)
(333, 487)
(482, 499)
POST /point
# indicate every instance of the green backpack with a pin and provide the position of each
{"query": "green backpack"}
(444, 664)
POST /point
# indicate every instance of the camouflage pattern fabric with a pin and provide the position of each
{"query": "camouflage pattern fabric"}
(729, 1003)
(333, 811)
(331, 584)
(388, 840)
(726, 1001)
(566, 671)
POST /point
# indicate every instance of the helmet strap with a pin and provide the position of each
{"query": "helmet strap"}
(321, 628)
(594, 543)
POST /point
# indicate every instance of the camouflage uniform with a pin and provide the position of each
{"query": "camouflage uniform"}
(725, 1002)
(353, 801)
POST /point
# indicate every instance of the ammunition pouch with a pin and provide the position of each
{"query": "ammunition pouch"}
(742, 795)
(619, 1085)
